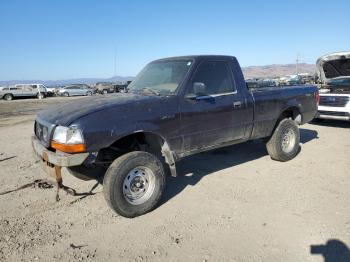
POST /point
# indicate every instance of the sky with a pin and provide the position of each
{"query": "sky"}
(53, 40)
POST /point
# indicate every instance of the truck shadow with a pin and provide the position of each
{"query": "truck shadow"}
(333, 251)
(193, 168)
(307, 135)
(331, 123)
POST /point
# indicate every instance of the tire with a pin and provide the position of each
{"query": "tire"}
(89, 93)
(87, 172)
(40, 96)
(66, 94)
(284, 142)
(133, 172)
(104, 91)
(8, 97)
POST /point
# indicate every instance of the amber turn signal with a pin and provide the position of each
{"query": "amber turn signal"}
(75, 148)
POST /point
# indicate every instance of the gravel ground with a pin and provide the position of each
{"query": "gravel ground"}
(232, 204)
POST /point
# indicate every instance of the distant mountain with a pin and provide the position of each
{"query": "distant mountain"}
(266, 71)
(89, 81)
(270, 71)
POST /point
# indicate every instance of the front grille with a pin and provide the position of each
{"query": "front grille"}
(336, 101)
(333, 113)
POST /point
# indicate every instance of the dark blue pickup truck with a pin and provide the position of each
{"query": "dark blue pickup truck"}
(175, 107)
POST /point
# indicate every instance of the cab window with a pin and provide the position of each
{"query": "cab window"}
(216, 77)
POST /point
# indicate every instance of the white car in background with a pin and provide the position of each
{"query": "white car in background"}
(23, 90)
(334, 73)
(50, 91)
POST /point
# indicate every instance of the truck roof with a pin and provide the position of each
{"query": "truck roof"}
(195, 57)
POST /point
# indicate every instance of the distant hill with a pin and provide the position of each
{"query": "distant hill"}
(89, 81)
(266, 71)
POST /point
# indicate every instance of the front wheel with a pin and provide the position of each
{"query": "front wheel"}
(8, 97)
(40, 95)
(89, 93)
(284, 142)
(134, 183)
(66, 94)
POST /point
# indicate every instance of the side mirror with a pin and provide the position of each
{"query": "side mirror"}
(199, 89)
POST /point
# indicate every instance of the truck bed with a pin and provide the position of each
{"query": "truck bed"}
(270, 102)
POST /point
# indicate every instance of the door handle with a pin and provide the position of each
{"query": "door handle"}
(237, 104)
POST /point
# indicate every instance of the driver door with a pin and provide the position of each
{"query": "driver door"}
(216, 116)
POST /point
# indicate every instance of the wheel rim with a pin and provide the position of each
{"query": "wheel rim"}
(104, 92)
(288, 141)
(8, 97)
(89, 93)
(139, 185)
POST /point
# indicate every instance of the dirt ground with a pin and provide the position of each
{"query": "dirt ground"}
(232, 204)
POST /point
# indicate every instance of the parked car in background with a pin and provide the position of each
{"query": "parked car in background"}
(23, 90)
(334, 74)
(283, 80)
(307, 78)
(51, 91)
(76, 90)
(267, 83)
(121, 87)
(252, 83)
(105, 87)
(261, 83)
(294, 80)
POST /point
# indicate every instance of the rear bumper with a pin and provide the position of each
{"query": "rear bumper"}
(334, 115)
(54, 158)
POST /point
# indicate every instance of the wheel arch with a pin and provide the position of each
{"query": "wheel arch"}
(4, 95)
(147, 141)
(292, 112)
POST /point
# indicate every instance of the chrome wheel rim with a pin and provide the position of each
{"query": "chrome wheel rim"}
(139, 185)
(288, 141)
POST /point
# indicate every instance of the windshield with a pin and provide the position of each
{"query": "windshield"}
(161, 77)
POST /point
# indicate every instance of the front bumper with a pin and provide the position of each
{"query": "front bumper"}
(58, 159)
(52, 163)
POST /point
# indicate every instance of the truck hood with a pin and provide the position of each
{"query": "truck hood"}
(64, 114)
(333, 65)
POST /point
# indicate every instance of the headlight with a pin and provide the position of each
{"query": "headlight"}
(68, 135)
(68, 139)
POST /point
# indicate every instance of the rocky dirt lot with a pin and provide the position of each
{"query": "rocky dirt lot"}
(232, 204)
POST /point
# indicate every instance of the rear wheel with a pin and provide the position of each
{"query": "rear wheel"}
(284, 142)
(8, 97)
(89, 93)
(104, 91)
(134, 183)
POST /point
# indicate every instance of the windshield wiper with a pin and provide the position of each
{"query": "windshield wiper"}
(151, 90)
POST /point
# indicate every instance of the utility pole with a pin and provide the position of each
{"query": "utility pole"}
(296, 64)
(115, 61)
